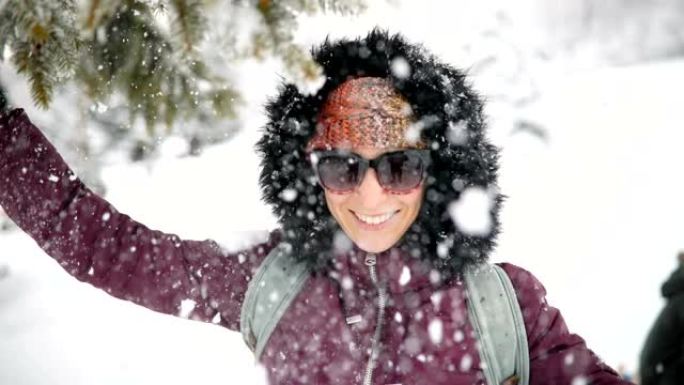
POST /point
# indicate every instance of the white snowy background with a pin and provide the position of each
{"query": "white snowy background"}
(594, 209)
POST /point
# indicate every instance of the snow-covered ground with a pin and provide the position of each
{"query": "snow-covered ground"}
(594, 213)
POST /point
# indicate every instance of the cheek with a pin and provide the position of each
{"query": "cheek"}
(412, 200)
(334, 201)
(419, 189)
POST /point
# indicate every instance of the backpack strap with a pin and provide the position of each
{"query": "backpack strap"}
(276, 283)
(498, 323)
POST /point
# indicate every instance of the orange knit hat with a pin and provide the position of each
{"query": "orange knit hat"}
(364, 112)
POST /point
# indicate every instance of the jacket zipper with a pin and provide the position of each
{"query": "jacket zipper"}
(382, 302)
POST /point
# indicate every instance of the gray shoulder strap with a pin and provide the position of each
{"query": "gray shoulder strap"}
(498, 323)
(276, 283)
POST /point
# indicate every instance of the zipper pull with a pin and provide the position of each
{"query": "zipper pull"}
(370, 260)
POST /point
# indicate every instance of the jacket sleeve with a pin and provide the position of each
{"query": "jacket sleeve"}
(95, 243)
(556, 356)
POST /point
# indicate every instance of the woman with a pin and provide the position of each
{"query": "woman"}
(360, 176)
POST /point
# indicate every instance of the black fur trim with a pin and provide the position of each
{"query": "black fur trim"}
(439, 96)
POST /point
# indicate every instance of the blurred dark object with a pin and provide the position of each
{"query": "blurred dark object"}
(662, 358)
(531, 128)
(4, 271)
(4, 104)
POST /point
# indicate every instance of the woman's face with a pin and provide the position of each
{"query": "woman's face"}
(373, 218)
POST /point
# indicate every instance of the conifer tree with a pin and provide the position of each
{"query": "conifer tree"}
(152, 59)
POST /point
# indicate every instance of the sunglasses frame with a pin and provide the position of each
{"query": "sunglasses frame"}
(365, 164)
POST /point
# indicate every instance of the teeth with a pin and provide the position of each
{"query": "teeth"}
(374, 220)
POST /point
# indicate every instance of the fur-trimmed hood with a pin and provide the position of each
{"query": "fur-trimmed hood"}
(450, 114)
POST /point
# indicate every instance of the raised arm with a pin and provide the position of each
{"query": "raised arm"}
(96, 244)
(556, 356)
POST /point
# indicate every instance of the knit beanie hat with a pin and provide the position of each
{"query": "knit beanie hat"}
(365, 112)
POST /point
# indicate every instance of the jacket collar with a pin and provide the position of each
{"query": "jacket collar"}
(395, 268)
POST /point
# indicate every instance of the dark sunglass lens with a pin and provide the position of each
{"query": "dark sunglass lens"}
(339, 172)
(400, 171)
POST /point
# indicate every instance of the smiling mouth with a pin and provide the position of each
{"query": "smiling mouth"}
(374, 220)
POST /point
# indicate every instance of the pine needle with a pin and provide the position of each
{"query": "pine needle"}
(189, 22)
(90, 21)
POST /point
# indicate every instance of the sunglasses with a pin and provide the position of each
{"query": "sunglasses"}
(397, 171)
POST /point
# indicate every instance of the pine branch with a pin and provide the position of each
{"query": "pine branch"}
(189, 22)
(44, 41)
(92, 14)
(97, 13)
(161, 83)
(344, 7)
(150, 58)
(280, 22)
(29, 60)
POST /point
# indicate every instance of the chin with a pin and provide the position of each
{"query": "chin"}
(373, 246)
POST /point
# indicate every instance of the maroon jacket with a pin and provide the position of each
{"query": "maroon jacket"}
(427, 338)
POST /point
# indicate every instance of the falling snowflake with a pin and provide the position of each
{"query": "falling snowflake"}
(436, 298)
(466, 363)
(457, 133)
(186, 307)
(400, 68)
(309, 85)
(435, 329)
(458, 336)
(341, 242)
(471, 212)
(288, 195)
(569, 359)
(347, 283)
(216, 319)
(435, 277)
(405, 276)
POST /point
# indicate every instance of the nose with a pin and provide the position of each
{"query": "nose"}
(370, 193)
